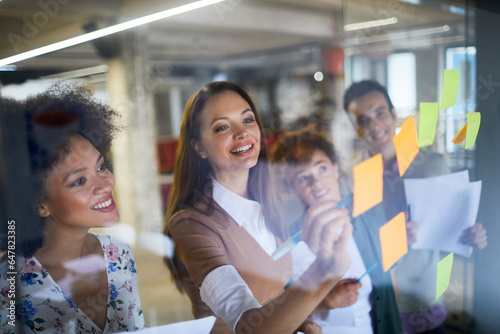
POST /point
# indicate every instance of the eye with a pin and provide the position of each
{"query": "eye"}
(322, 169)
(249, 120)
(102, 167)
(78, 183)
(302, 179)
(221, 128)
(362, 121)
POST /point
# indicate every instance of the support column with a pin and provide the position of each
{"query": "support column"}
(134, 152)
(486, 268)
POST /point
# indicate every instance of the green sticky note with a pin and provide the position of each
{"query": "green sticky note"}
(451, 79)
(443, 274)
(428, 122)
(473, 122)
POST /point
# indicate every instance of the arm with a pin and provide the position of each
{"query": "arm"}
(198, 246)
(286, 312)
(344, 294)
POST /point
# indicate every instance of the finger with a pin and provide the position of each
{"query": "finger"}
(323, 231)
(331, 242)
(322, 219)
(312, 215)
(344, 236)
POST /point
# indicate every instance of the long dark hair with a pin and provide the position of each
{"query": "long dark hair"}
(192, 182)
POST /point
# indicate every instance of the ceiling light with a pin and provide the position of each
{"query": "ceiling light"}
(108, 31)
(7, 68)
(370, 24)
(318, 76)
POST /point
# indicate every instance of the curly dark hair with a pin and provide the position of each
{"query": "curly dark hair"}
(49, 120)
(297, 147)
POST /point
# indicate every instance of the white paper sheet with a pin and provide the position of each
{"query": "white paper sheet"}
(198, 326)
(444, 206)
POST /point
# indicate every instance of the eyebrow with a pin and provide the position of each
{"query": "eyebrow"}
(76, 171)
(303, 170)
(225, 117)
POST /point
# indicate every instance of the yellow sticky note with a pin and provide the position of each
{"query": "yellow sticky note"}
(443, 274)
(473, 122)
(460, 137)
(368, 184)
(469, 131)
(451, 80)
(393, 240)
(428, 122)
(406, 144)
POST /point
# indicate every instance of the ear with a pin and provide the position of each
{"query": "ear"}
(43, 210)
(196, 145)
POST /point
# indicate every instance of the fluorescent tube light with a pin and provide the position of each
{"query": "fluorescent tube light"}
(370, 24)
(108, 31)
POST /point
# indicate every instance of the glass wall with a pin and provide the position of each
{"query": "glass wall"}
(295, 58)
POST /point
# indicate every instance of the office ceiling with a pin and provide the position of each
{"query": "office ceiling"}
(236, 31)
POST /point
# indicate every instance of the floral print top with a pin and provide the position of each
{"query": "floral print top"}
(43, 307)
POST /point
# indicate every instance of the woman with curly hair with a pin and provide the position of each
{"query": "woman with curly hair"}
(70, 280)
(224, 223)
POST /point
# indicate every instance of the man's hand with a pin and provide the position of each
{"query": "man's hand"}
(475, 236)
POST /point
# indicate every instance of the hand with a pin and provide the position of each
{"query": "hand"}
(326, 230)
(475, 236)
(309, 327)
(411, 232)
(344, 294)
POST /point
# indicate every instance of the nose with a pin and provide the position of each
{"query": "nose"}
(239, 132)
(375, 124)
(313, 181)
(104, 184)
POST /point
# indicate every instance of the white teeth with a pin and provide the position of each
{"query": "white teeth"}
(242, 149)
(102, 205)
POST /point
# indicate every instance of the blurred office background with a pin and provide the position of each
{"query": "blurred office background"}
(295, 58)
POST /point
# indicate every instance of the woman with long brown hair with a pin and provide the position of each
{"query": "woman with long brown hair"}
(225, 223)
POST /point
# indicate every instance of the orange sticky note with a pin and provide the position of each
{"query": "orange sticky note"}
(469, 131)
(393, 240)
(460, 137)
(368, 184)
(406, 144)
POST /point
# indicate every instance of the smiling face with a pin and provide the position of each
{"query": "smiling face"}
(229, 135)
(318, 180)
(80, 189)
(375, 121)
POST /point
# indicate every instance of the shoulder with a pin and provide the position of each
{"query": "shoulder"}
(427, 163)
(206, 217)
(111, 242)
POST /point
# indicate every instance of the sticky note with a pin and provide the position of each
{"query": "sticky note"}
(460, 137)
(428, 122)
(368, 184)
(406, 144)
(443, 274)
(473, 122)
(469, 131)
(451, 80)
(393, 240)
